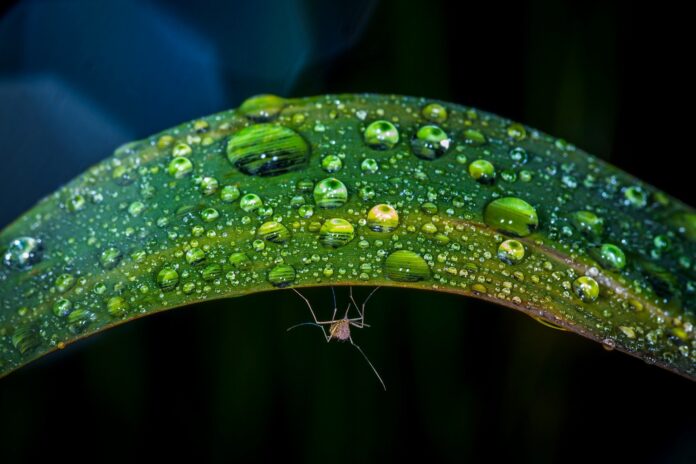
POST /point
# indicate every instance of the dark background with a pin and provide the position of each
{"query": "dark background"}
(223, 381)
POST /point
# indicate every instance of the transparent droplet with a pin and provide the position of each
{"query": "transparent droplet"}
(511, 251)
(195, 256)
(610, 256)
(229, 193)
(381, 135)
(110, 257)
(383, 218)
(262, 108)
(267, 150)
(482, 171)
(180, 167)
(588, 223)
(273, 232)
(209, 185)
(336, 232)
(23, 252)
(250, 202)
(586, 288)
(406, 266)
(167, 279)
(369, 165)
(512, 216)
(331, 163)
(430, 142)
(330, 193)
(435, 112)
(282, 275)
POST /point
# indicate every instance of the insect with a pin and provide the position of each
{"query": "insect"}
(339, 329)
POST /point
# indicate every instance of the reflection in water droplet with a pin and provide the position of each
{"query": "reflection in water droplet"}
(511, 251)
(209, 214)
(406, 266)
(23, 252)
(336, 232)
(635, 196)
(511, 215)
(274, 232)
(209, 185)
(516, 131)
(474, 137)
(229, 193)
(588, 223)
(117, 306)
(180, 167)
(110, 257)
(331, 163)
(282, 275)
(267, 150)
(609, 256)
(382, 218)
(482, 171)
(262, 108)
(64, 282)
(430, 142)
(26, 340)
(369, 165)
(330, 193)
(195, 256)
(250, 202)
(239, 260)
(381, 135)
(586, 288)
(435, 112)
(167, 279)
(62, 307)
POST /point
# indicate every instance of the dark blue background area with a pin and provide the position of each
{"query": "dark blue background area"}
(222, 381)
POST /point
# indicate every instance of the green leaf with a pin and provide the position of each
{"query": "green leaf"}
(354, 190)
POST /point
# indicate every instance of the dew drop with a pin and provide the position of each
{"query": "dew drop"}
(62, 307)
(330, 193)
(609, 256)
(64, 282)
(229, 193)
(267, 150)
(209, 185)
(282, 275)
(167, 279)
(262, 108)
(511, 215)
(406, 266)
(336, 232)
(586, 288)
(273, 232)
(588, 223)
(180, 167)
(331, 163)
(511, 251)
(23, 252)
(110, 257)
(210, 214)
(116, 306)
(250, 202)
(369, 165)
(516, 131)
(482, 171)
(195, 256)
(381, 135)
(430, 142)
(435, 112)
(383, 218)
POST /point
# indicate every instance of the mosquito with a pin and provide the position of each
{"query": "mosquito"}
(339, 329)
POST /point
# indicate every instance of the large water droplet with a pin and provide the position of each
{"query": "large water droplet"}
(23, 252)
(383, 218)
(282, 275)
(250, 202)
(180, 167)
(511, 251)
(512, 216)
(110, 257)
(274, 232)
(588, 223)
(609, 256)
(406, 266)
(267, 150)
(336, 232)
(381, 135)
(430, 142)
(167, 279)
(586, 288)
(330, 193)
(482, 171)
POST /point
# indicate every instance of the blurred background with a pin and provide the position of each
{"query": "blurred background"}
(223, 381)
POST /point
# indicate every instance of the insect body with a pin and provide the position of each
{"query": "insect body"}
(339, 329)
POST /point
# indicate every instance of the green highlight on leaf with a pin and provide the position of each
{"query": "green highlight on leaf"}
(354, 190)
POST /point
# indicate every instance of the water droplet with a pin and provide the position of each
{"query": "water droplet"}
(117, 306)
(474, 137)
(110, 257)
(586, 288)
(210, 214)
(180, 167)
(262, 108)
(382, 218)
(76, 202)
(511, 215)
(23, 252)
(239, 260)
(62, 307)
(229, 193)
(26, 340)
(209, 186)
(274, 232)
(511, 251)
(482, 171)
(282, 275)
(80, 319)
(136, 208)
(331, 163)
(267, 150)
(435, 112)
(516, 131)
(588, 223)
(250, 202)
(381, 135)
(635, 196)
(430, 142)
(330, 193)
(518, 155)
(64, 282)
(336, 232)
(195, 256)
(406, 266)
(167, 279)
(609, 256)
(369, 165)
(211, 272)
(181, 149)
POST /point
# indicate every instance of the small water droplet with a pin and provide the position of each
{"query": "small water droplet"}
(430, 142)
(511, 251)
(262, 108)
(383, 218)
(167, 279)
(180, 167)
(330, 193)
(435, 112)
(331, 163)
(250, 202)
(273, 232)
(110, 257)
(336, 232)
(406, 266)
(282, 275)
(511, 215)
(586, 288)
(482, 171)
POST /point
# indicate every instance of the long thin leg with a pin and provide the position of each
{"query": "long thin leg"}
(316, 321)
(335, 307)
(368, 362)
(362, 312)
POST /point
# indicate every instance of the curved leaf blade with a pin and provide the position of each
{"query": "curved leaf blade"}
(354, 190)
